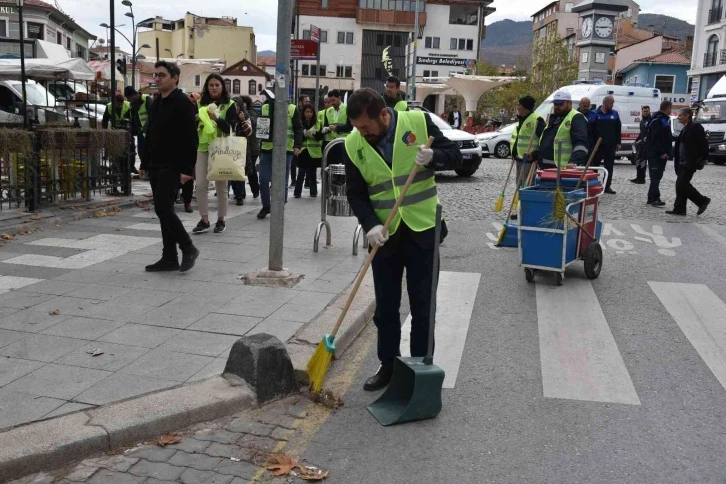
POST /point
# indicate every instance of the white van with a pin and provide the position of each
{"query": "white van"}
(711, 114)
(40, 101)
(629, 101)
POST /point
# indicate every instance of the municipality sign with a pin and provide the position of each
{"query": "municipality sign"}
(438, 61)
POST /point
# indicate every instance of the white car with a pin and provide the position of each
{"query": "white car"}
(497, 142)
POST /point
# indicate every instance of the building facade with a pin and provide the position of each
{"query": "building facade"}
(42, 21)
(196, 37)
(665, 71)
(364, 41)
(246, 79)
(708, 62)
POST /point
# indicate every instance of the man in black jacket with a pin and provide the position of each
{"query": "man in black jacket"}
(691, 154)
(658, 144)
(169, 159)
(641, 153)
(609, 128)
(380, 152)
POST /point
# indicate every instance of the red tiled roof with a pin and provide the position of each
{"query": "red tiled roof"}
(673, 56)
(266, 60)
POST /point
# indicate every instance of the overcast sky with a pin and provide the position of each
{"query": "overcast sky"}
(259, 14)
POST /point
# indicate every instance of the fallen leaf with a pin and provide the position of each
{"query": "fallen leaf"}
(95, 352)
(54, 312)
(100, 213)
(7, 236)
(282, 464)
(148, 195)
(168, 439)
(309, 473)
(36, 217)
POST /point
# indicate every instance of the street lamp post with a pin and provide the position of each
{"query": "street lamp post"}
(22, 62)
(134, 30)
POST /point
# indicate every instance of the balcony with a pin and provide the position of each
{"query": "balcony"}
(714, 15)
(709, 59)
(389, 17)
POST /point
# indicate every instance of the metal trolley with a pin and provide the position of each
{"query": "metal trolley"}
(551, 247)
(334, 200)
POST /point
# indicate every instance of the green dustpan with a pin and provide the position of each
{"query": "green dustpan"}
(415, 389)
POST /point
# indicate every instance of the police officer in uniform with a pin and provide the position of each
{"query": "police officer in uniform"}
(641, 153)
(564, 140)
(378, 158)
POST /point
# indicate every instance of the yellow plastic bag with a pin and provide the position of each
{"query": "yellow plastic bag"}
(227, 158)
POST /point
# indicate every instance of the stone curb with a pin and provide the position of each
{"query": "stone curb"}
(56, 442)
(302, 346)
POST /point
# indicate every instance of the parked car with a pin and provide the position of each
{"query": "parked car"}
(468, 145)
(496, 143)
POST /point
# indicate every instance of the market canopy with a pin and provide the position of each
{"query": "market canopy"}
(472, 87)
(42, 69)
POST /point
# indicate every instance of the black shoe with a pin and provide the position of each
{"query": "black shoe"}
(201, 227)
(263, 213)
(255, 194)
(297, 196)
(637, 181)
(610, 191)
(188, 259)
(702, 208)
(658, 204)
(378, 381)
(163, 265)
(240, 201)
(674, 212)
(220, 227)
(188, 208)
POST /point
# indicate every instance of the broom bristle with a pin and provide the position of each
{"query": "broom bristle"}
(500, 203)
(318, 366)
(559, 205)
(516, 200)
(501, 233)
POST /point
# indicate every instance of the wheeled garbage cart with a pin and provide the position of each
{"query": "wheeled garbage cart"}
(549, 245)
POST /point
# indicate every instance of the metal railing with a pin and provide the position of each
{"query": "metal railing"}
(715, 15)
(49, 166)
(709, 59)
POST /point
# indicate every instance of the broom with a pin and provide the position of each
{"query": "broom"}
(320, 361)
(592, 157)
(520, 179)
(558, 203)
(525, 182)
(500, 201)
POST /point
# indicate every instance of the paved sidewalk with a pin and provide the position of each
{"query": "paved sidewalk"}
(79, 288)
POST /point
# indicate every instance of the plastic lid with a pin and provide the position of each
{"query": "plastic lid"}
(551, 174)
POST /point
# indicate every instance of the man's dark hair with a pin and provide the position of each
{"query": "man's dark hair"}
(247, 102)
(302, 97)
(666, 106)
(334, 93)
(367, 101)
(394, 80)
(170, 67)
(644, 106)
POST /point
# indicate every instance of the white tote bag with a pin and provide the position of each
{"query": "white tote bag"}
(227, 157)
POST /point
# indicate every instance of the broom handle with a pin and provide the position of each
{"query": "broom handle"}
(520, 178)
(592, 157)
(429, 360)
(509, 174)
(374, 250)
(579, 225)
(529, 147)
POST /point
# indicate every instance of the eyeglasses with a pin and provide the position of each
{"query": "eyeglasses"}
(159, 75)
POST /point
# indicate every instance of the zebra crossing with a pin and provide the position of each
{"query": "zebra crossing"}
(579, 357)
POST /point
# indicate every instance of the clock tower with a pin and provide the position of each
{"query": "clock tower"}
(596, 38)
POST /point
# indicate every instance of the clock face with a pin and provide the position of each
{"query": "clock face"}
(604, 27)
(587, 27)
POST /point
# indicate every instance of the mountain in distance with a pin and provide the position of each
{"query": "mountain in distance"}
(265, 53)
(673, 26)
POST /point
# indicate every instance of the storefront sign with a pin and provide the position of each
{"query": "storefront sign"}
(676, 98)
(7, 10)
(303, 50)
(695, 82)
(315, 33)
(435, 61)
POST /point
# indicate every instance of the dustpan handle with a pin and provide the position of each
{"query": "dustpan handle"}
(429, 360)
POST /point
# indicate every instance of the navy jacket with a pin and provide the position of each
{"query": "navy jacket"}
(660, 137)
(608, 127)
(591, 117)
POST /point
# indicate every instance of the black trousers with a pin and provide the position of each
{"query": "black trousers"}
(164, 186)
(606, 157)
(388, 281)
(656, 167)
(251, 172)
(641, 164)
(685, 190)
(187, 190)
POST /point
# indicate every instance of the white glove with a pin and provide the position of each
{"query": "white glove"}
(375, 236)
(312, 131)
(424, 156)
(306, 132)
(326, 130)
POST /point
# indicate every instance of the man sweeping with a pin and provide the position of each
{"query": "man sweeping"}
(379, 156)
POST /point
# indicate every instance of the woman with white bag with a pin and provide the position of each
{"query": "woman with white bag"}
(217, 113)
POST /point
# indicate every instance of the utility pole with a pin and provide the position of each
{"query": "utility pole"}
(279, 148)
(415, 51)
(22, 63)
(112, 91)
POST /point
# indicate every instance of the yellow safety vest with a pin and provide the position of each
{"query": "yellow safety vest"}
(143, 112)
(125, 107)
(267, 144)
(205, 140)
(418, 209)
(401, 106)
(529, 128)
(342, 119)
(314, 146)
(563, 151)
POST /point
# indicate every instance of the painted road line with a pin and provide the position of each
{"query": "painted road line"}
(701, 315)
(579, 357)
(454, 306)
(712, 233)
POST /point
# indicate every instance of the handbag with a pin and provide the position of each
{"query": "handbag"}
(227, 159)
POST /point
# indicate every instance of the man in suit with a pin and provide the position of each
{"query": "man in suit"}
(379, 155)
(691, 155)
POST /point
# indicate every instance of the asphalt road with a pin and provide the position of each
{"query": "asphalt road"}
(507, 419)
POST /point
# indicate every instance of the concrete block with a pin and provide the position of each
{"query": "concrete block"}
(153, 415)
(48, 444)
(262, 361)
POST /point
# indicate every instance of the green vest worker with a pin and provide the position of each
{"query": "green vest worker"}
(525, 137)
(140, 105)
(336, 123)
(123, 109)
(564, 140)
(311, 152)
(394, 97)
(378, 158)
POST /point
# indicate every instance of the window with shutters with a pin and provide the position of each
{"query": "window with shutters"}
(236, 86)
(252, 87)
(228, 84)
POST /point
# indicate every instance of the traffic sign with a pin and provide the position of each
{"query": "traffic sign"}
(303, 49)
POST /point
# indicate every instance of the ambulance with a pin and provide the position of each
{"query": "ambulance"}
(629, 101)
(711, 113)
